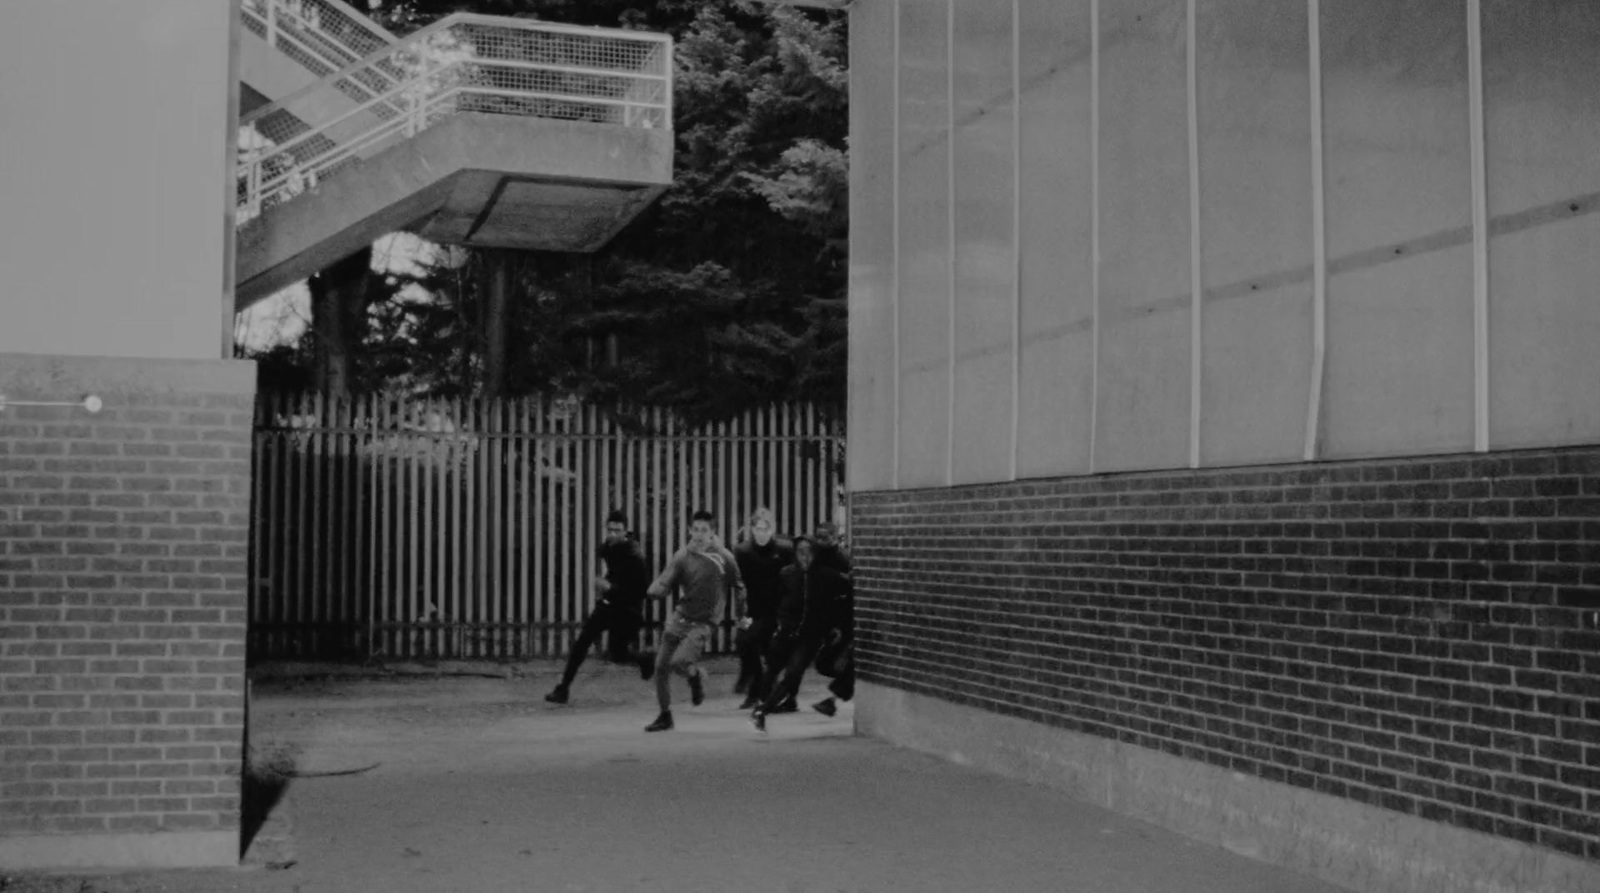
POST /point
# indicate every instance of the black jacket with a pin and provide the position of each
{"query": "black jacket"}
(814, 601)
(834, 557)
(627, 573)
(760, 567)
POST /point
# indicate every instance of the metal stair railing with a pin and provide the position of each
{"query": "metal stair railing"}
(463, 63)
(323, 36)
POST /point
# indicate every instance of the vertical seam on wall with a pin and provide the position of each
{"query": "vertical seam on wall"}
(894, 238)
(1480, 230)
(1319, 235)
(1016, 233)
(1195, 366)
(1094, 229)
(950, 199)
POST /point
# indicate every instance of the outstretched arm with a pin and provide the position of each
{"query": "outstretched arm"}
(663, 584)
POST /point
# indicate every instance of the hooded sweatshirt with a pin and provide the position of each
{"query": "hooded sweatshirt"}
(706, 575)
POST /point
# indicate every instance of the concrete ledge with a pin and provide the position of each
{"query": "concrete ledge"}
(1340, 841)
(187, 849)
(26, 376)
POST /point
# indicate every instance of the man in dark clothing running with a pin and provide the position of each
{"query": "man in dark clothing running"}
(620, 610)
(707, 574)
(828, 551)
(813, 596)
(761, 557)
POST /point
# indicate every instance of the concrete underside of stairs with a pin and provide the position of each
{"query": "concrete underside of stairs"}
(475, 179)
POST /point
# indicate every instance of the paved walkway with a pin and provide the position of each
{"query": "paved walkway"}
(481, 786)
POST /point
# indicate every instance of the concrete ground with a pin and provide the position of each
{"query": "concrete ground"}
(454, 784)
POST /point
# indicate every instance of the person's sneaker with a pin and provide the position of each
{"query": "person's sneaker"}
(759, 720)
(697, 690)
(826, 707)
(647, 666)
(558, 695)
(663, 723)
(750, 702)
(788, 706)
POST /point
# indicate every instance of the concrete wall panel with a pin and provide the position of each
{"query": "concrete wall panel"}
(1399, 364)
(1254, 117)
(1057, 298)
(114, 119)
(872, 361)
(985, 260)
(924, 264)
(1542, 130)
(1143, 412)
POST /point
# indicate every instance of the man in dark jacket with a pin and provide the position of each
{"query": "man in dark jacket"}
(619, 612)
(813, 596)
(829, 552)
(761, 558)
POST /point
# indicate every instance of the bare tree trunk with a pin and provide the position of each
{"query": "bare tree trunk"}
(497, 269)
(338, 303)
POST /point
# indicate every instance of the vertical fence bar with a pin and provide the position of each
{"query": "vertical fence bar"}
(358, 472)
(660, 499)
(381, 517)
(563, 556)
(747, 458)
(520, 509)
(539, 522)
(758, 419)
(296, 565)
(426, 447)
(490, 641)
(333, 507)
(413, 461)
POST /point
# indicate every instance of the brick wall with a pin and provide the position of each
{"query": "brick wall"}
(123, 538)
(1418, 635)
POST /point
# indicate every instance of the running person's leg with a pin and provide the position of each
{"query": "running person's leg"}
(757, 642)
(671, 638)
(803, 652)
(593, 625)
(843, 685)
(685, 660)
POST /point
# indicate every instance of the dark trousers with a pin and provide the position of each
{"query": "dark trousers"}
(839, 661)
(752, 643)
(622, 627)
(787, 660)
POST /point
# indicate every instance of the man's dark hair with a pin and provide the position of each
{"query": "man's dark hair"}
(702, 515)
(617, 516)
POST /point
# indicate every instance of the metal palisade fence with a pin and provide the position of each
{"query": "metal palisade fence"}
(397, 527)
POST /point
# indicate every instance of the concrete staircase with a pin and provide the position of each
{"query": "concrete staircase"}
(477, 130)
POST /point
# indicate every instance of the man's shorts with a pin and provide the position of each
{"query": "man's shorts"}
(691, 639)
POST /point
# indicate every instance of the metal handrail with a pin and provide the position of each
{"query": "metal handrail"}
(463, 63)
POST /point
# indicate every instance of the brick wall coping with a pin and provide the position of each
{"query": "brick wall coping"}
(25, 376)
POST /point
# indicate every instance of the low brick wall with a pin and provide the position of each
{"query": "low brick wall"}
(123, 550)
(1418, 635)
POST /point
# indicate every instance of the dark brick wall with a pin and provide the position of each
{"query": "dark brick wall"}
(123, 540)
(1419, 635)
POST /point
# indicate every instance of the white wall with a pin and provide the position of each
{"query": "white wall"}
(114, 180)
(1028, 241)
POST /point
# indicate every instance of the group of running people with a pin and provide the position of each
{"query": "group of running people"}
(792, 603)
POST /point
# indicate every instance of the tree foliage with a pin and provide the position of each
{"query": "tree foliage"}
(728, 292)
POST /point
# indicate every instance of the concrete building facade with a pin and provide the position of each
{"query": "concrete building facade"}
(123, 531)
(1223, 422)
